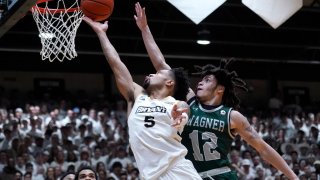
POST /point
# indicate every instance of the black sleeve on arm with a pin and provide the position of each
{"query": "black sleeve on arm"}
(191, 100)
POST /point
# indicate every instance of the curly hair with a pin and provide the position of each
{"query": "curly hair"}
(229, 79)
(182, 83)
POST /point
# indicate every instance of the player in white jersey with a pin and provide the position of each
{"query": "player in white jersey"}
(154, 142)
(154, 120)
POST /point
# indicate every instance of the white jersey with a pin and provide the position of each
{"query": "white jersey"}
(154, 142)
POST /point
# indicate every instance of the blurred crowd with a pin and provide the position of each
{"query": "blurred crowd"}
(42, 140)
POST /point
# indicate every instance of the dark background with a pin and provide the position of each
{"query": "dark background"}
(235, 32)
(288, 53)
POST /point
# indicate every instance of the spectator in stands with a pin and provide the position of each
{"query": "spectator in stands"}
(7, 131)
(102, 174)
(38, 166)
(34, 131)
(59, 160)
(9, 170)
(20, 164)
(134, 174)
(316, 165)
(100, 166)
(86, 173)
(263, 131)
(27, 176)
(26, 159)
(260, 173)
(116, 170)
(50, 174)
(287, 125)
(294, 156)
(29, 170)
(18, 175)
(98, 157)
(249, 172)
(314, 137)
(121, 156)
(85, 158)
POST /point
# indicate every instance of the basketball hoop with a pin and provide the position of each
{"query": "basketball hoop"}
(57, 27)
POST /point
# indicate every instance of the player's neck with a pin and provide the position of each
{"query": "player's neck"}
(215, 101)
(159, 94)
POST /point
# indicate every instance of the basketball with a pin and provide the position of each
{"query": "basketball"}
(97, 10)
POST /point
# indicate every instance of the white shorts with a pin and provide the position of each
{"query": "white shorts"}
(183, 169)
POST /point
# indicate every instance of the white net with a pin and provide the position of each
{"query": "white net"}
(57, 29)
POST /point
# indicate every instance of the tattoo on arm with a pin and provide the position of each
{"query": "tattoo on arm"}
(253, 133)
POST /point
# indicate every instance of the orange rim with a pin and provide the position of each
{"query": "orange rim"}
(52, 11)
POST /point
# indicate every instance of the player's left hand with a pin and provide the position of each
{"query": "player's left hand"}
(178, 109)
(180, 121)
(140, 17)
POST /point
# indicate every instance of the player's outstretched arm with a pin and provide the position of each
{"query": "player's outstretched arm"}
(241, 126)
(123, 78)
(153, 50)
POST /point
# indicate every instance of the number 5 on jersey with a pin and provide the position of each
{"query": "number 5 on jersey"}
(149, 121)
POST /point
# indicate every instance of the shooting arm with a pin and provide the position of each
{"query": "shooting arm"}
(123, 78)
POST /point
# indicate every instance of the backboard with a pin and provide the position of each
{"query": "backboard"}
(11, 11)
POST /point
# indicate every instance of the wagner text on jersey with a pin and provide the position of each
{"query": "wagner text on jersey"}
(206, 122)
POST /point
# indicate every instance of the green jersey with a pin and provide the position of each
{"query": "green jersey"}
(207, 136)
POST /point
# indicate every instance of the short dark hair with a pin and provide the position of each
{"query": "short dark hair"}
(229, 79)
(29, 164)
(116, 164)
(182, 83)
(66, 174)
(84, 168)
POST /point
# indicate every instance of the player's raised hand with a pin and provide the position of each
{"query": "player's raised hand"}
(96, 26)
(180, 121)
(140, 16)
(179, 114)
(179, 108)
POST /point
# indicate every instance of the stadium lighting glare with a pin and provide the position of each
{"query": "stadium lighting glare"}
(203, 37)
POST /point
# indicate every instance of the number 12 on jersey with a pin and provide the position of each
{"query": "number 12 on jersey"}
(208, 147)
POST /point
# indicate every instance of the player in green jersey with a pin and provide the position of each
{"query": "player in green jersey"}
(213, 122)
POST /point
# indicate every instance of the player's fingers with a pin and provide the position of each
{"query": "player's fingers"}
(174, 110)
(138, 4)
(144, 12)
(138, 9)
(174, 107)
(182, 110)
(138, 12)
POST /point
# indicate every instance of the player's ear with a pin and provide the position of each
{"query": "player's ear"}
(220, 89)
(170, 83)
